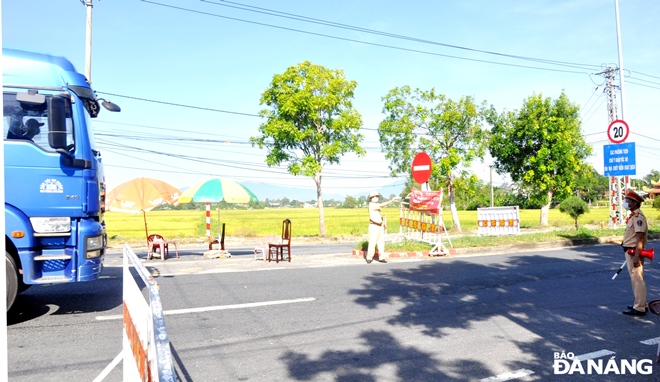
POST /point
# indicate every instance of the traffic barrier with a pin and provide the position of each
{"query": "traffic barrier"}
(423, 223)
(498, 221)
(146, 346)
(208, 222)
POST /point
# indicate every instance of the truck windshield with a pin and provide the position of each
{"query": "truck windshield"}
(29, 122)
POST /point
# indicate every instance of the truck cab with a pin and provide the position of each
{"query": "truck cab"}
(54, 181)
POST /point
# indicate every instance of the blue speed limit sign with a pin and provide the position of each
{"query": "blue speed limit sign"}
(618, 131)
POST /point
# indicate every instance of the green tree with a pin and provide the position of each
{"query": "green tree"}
(653, 176)
(449, 132)
(471, 192)
(590, 185)
(540, 146)
(656, 202)
(574, 207)
(310, 123)
(350, 202)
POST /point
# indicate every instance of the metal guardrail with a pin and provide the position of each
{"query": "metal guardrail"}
(138, 344)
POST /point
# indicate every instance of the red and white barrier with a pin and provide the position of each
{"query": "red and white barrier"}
(424, 224)
(208, 221)
(498, 221)
(147, 355)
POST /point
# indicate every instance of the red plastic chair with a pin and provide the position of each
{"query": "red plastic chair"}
(285, 243)
(158, 243)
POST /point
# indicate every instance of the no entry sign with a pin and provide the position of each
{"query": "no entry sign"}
(421, 168)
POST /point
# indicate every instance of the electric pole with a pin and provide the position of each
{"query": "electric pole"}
(617, 183)
(491, 186)
(88, 41)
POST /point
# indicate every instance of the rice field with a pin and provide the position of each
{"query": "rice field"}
(191, 225)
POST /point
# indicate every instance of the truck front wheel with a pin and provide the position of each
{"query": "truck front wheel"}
(12, 280)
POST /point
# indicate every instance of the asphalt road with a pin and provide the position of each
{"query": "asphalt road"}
(329, 316)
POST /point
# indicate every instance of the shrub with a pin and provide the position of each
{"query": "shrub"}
(574, 207)
(656, 202)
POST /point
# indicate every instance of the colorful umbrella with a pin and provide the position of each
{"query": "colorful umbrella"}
(216, 190)
(141, 195)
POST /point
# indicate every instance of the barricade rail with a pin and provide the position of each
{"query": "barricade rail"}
(498, 220)
(145, 337)
(422, 226)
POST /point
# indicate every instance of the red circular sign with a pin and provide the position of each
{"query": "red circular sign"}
(618, 131)
(421, 168)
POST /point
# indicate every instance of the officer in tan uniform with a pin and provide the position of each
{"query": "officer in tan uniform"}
(376, 231)
(635, 238)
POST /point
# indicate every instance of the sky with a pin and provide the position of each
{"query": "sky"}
(189, 75)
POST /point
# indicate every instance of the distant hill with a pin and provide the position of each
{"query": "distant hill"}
(268, 191)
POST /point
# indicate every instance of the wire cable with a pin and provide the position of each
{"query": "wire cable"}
(363, 42)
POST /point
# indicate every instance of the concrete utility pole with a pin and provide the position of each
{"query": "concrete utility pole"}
(491, 186)
(88, 41)
(617, 213)
(617, 183)
(618, 42)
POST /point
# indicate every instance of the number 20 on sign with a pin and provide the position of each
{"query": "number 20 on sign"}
(618, 131)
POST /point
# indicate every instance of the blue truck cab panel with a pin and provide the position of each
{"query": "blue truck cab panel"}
(54, 181)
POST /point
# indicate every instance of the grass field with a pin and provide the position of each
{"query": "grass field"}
(191, 225)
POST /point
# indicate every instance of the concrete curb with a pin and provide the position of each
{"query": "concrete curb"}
(401, 255)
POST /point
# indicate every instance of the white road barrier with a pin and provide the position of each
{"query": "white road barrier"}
(498, 220)
(147, 355)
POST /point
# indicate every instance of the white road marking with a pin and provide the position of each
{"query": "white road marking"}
(652, 341)
(109, 368)
(525, 372)
(596, 354)
(508, 376)
(218, 307)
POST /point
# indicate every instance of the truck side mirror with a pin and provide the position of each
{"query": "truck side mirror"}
(57, 107)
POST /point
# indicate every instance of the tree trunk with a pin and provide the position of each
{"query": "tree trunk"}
(319, 199)
(545, 210)
(452, 207)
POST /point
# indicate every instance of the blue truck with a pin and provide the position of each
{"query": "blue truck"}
(54, 181)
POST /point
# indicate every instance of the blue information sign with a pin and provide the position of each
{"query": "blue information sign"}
(620, 159)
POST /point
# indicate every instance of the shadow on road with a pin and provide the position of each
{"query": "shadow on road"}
(576, 311)
(57, 299)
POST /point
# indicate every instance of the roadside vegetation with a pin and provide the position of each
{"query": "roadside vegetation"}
(189, 226)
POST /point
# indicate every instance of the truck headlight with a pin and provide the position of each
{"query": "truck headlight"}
(93, 246)
(51, 225)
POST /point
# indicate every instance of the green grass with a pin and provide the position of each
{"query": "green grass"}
(191, 225)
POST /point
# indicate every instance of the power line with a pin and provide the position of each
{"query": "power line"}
(333, 24)
(363, 42)
(180, 105)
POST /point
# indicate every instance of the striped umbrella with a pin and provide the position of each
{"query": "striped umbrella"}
(216, 190)
(141, 195)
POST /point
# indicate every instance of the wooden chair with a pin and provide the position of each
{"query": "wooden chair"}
(157, 242)
(285, 242)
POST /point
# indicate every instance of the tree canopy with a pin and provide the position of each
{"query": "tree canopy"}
(541, 147)
(449, 132)
(310, 122)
